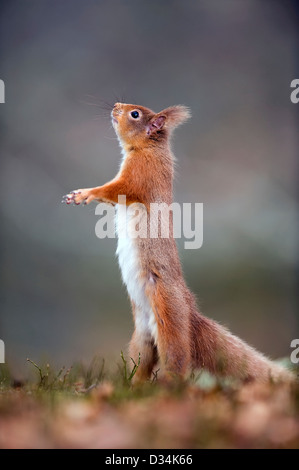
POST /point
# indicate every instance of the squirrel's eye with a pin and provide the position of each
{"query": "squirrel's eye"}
(135, 114)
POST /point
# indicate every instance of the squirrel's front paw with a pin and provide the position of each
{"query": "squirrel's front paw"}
(78, 196)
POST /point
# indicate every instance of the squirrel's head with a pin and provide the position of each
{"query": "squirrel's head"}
(136, 125)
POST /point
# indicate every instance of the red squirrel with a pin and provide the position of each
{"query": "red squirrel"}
(168, 326)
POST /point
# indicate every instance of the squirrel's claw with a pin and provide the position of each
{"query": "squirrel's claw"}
(65, 199)
(68, 198)
(77, 197)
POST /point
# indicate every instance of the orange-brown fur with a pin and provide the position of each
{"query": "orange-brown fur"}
(186, 339)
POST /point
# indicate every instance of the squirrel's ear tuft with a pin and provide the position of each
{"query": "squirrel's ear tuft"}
(176, 115)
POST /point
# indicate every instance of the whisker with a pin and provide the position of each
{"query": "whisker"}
(99, 103)
(107, 104)
(119, 98)
(116, 98)
(123, 98)
(110, 138)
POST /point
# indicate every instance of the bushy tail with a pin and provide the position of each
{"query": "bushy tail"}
(225, 355)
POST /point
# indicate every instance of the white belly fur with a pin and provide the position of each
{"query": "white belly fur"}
(129, 262)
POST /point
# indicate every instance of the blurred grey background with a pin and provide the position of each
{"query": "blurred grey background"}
(232, 62)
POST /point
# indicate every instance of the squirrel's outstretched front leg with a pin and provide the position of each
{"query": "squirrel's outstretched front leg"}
(109, 192)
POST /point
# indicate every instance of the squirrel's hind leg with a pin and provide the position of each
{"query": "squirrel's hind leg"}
(173, 339)
(143, 347)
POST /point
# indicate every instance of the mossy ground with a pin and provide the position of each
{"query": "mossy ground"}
(90, 407)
